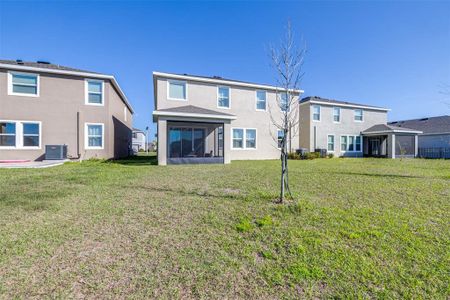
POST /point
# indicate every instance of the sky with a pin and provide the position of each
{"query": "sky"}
(389, 54)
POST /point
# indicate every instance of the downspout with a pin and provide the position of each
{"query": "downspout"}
(315, 130)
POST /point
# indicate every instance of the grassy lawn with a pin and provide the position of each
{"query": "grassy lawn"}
(368, 228)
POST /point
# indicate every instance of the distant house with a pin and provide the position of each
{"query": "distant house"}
(139, 140)
(435, 139)
(352, 130)
(46, 104)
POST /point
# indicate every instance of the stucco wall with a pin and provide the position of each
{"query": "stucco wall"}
(346, 126)
(243, 106)
(60, 98)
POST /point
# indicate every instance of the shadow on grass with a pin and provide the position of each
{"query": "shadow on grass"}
(378, 175)
(141, 160)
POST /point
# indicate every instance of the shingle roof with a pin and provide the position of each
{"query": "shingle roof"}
(385, 127)
(43, 65)
(191, 109)
(332, 101)
(440, 124)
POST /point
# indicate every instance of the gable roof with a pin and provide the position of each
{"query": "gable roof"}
(320, 100)
(57, 69)
(219, 80)
(431, 125)
(384, 128)
(193, 111)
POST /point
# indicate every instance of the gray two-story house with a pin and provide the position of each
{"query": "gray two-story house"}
(46, 104)
(216, 120)
(352, 130)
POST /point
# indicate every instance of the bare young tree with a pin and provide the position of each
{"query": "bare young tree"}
(287, 61)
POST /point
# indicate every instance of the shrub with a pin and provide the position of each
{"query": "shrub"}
(141, 150)
(312, 155)
(330, 155)
(293, 155)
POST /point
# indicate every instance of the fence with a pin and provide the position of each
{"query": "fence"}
(434, 152)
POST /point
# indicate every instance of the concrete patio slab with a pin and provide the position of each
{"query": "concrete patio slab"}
(32, 164)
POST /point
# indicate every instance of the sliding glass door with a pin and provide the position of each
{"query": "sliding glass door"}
(186, 142)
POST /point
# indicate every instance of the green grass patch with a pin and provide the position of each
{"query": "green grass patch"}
(357, 228)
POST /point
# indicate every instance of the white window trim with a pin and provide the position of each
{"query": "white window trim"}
(10, 84)
(86, 92)
(312, 112)
(334, 142)
(362, 115)
(229, 97)
(354, 136)
(256, 100)
(169, 81)
(19, 135)
(337, 122)
(86, 137)
(125, 114)
(244, 139)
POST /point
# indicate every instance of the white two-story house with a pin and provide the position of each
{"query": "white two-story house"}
(216, 120)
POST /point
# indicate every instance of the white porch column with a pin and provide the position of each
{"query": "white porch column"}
(393, 146)
(162, 142)
(227, 143)
(416, 145)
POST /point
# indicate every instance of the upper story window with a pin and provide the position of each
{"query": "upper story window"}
(336, 114)
(177, 90)
(23, 84)
(94, 136)
(316, 112)
(284, 102)
(261, 100)
(359, 115)
(94, 92)
(223, 97)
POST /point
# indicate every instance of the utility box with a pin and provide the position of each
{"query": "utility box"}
(55, 152)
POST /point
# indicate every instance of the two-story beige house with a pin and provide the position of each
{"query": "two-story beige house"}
(216, 120)
(352, 130)
(46, 104)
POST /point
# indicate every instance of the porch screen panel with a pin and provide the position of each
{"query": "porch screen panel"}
(174, 142)
(186, 142)
(404, 145)
(199, 142)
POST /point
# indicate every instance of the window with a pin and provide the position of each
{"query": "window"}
(125, 114)
(23, 84)
(351, 143)
(7, 134)
(94, 92)
(343, 143)
(330, 143)
(284, 102)
(316, 112)
(223, 97)
(359, 115)
(250, 138)
(280, 134)
(94, 136)
(238, 138)
(31, 135)
(358, 143)
(20, 134)
(261, 100)
(177, 90)
(238, 135)
(336, 114)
